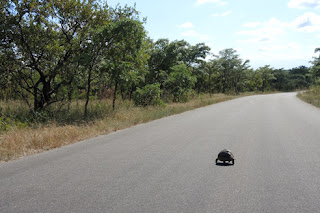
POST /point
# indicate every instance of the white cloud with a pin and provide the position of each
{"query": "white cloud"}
(303, 4)
(186, 25)
(288, 53)
(271, 29)
(252, 24)
(268, 29)
(201, 2)
(308, 22)
(193, 33)
(271, 43)
(226, 13)
(279, 48)
(262, 39)
(222, 14)
(280, 42)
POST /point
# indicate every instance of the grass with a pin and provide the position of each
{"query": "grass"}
(311, 96)
(27, 137)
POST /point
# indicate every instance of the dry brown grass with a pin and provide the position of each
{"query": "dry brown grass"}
(19, 142)
(22, 142)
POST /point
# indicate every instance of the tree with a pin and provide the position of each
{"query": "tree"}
(207, 75)
(195, 55)
(6, 64)
(201, 74)
(266, 75)
(238, 75)
(249, 82)
(127, 50)
(231, 71)
(95, 43)
(163, 56)
(148, 95)
(281, 81)
(179, 82)
(167, 54)
(299, 77)
(315, 69)
(44, 37)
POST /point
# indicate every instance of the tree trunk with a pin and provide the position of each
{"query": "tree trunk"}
(114, 95)
(131, 92)
(88, 93)
(223, 86)
(209, 85)
(70, 90)
(35, 101)
(123, 95)
(7, 87)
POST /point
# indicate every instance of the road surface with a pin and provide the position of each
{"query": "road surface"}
(169, 165)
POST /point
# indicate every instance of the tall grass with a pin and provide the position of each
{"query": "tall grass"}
(312, 96)
(68, 126)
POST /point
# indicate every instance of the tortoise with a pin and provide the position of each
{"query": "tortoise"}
(225, 156)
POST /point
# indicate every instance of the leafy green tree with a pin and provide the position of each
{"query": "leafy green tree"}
(6, 53)
(231, 71)
(94, 47)
(238, 76)
(299, 76)
(127, 51)
(201, 74)
(281, 81)
(315, 69)
(207, 76)
(179, 82)
(162, 56)
(165, 55)
(43, 38)
(266, 76)
(136, 77)
(6, 84)
(195, 55)
(249, 82)
(148, 95)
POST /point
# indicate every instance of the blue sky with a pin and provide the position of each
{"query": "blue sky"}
(280, 33)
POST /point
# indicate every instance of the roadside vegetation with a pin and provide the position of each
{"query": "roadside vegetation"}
(22, 139)
(73, 69)
(312, 96)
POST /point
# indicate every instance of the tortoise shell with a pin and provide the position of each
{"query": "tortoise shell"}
(225, 156)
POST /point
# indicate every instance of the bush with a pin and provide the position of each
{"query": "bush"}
(148, 95)
(7, 123)
(180, 82)
(312, 96)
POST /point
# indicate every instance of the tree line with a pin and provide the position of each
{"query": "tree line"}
(53, 52)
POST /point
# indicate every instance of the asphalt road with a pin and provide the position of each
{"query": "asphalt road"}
(169, 165)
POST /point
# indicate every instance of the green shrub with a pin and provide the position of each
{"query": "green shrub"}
(7, 123)
(312, 96)
(148, 95)
(180, 82)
